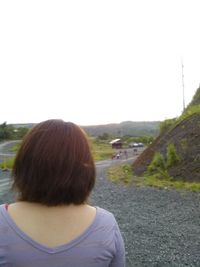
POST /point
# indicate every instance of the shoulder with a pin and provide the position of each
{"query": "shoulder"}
(107, 218)
(104, 228)
(2, 209)
(109, 230)
(4, 223)
(105, 214)
(3, 212)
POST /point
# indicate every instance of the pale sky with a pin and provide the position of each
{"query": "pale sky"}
(97, 62)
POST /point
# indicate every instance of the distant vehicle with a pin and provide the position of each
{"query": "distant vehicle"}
(136, 145)
(140, 145)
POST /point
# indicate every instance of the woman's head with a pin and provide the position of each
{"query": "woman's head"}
(54, 165)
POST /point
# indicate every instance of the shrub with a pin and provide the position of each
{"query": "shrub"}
(157, 164)
(172, 157)
(7, 164)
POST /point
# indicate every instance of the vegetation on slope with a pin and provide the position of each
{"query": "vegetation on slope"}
(183, 134)
(124, 174)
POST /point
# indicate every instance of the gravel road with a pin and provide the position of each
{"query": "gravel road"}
(160, 227)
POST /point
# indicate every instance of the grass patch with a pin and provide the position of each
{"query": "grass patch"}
(15, 148)
(7, 164)
(168, 182)
(101, 150)
(120, 173)
(168, 124)
(124, 174)
(190, 111)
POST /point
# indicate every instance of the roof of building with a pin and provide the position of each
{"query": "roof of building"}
(115, 141)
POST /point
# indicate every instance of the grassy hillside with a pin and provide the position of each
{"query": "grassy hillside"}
(140, 128)
(196, 99)
(125, 128)
(183, 134)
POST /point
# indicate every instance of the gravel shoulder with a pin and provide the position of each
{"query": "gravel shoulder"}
(159, 227)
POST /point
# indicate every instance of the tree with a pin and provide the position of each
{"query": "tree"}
(5, 132)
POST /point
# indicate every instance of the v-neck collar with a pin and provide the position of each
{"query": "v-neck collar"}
(42, 247)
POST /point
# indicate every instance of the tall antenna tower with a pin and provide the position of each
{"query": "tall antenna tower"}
(183, 86)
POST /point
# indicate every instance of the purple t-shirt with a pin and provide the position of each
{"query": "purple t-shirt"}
(101, 245)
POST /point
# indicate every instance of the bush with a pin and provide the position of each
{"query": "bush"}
(7, 164)
(172, 157)
(157, 164)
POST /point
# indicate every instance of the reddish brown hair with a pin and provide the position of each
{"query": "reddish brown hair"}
(54, 165)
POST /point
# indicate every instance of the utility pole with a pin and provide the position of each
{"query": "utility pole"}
(183, 86)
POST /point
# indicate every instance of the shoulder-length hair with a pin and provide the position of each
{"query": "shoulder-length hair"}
(54, 165)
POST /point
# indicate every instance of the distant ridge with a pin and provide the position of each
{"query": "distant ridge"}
(132, 128)
(28, 125)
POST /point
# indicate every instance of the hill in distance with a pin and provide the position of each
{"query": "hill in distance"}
(184, 134)
(27, 125)
(117, 129)
(131, 128)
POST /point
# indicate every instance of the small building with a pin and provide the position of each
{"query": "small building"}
(116, 143)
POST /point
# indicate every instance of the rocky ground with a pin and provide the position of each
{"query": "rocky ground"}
(186, 139)
(160, 227)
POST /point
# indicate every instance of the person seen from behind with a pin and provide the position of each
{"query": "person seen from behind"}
(51, 222)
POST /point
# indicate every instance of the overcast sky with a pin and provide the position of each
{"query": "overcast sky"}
(97, 62)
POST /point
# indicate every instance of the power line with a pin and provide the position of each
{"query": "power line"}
(183, 86)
